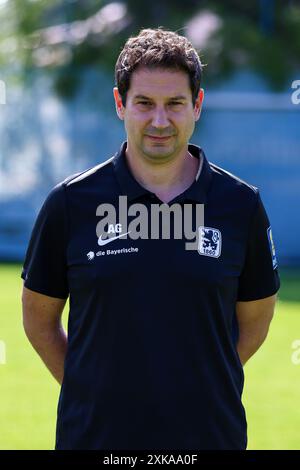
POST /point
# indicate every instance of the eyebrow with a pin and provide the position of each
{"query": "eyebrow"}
(177, 98)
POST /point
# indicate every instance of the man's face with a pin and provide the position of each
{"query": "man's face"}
(159, 115)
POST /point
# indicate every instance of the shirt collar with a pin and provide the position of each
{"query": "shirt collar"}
(132, 189)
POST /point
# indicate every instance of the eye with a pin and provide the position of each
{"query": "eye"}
(144, 103)
(175, 103)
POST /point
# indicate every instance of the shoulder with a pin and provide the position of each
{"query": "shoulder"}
(231, 188)
(101, 170)
(97, 177)
(232, 181)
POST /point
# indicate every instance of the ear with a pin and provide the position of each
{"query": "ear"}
(118, 102)
(198, 104)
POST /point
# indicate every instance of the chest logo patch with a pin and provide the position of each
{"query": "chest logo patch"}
(210, 242)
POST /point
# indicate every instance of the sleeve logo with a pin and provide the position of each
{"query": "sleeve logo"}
(272, 248)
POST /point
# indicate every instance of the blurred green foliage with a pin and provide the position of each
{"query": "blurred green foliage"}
(62, 36)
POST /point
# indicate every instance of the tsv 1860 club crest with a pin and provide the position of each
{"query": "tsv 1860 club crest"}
(210, 242)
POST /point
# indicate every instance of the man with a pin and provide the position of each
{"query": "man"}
(157, 332)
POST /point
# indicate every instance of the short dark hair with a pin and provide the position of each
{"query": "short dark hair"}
(155, 48)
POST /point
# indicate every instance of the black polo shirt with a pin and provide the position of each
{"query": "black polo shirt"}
(152, 331)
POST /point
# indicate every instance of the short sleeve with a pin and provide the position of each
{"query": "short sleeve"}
(45, 265)
(259, 277)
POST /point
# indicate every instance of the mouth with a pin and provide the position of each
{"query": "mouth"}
(159, 139)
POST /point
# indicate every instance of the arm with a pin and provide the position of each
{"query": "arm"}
(254, 319)
(42, 325)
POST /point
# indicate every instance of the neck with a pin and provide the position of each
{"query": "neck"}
(167, 179)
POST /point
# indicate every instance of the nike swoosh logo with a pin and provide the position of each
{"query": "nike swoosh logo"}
(111, 239)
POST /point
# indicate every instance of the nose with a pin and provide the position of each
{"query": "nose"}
(160, 119)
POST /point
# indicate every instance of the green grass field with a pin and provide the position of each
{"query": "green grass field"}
(29, 394)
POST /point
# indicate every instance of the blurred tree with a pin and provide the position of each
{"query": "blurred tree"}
(62, 36)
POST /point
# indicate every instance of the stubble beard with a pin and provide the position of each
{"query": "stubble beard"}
(159, 153)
